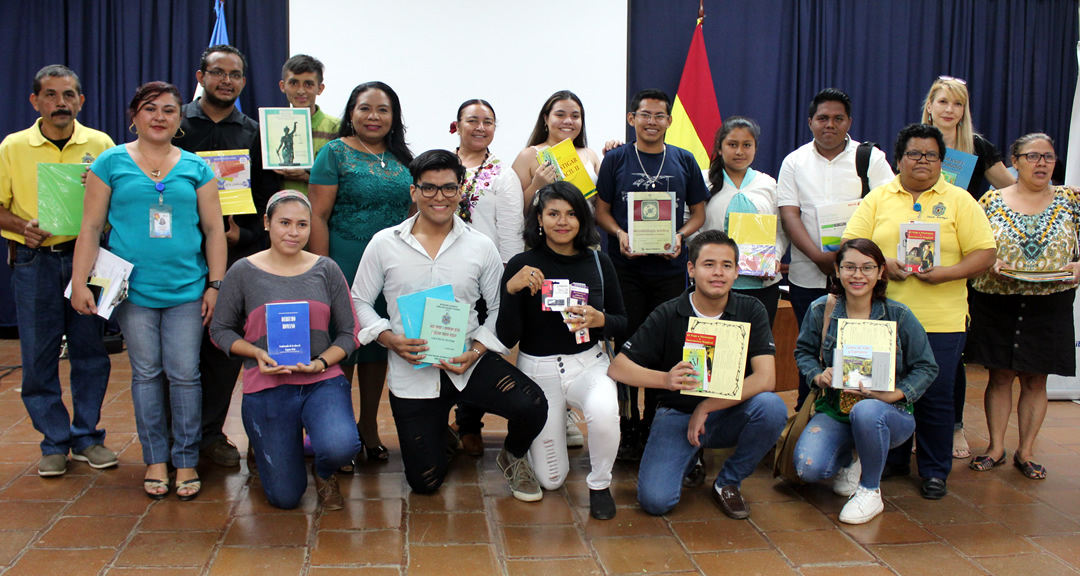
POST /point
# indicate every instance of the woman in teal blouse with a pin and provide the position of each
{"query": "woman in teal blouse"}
(358, 186)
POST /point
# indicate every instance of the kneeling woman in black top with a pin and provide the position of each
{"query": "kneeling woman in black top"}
(559, 229)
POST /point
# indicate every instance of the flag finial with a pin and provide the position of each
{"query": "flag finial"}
(701, 11)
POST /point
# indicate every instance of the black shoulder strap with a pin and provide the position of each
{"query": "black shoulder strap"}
(862, 164)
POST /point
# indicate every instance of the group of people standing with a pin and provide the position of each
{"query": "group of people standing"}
(371, 223)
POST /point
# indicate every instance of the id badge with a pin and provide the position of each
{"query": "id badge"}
(161, 221)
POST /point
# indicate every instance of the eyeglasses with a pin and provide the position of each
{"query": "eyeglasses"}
(219, 74)
(957, 80)
(866, 269)
(645, 117)
(448, 190)
(915, 156)
(1034, 157)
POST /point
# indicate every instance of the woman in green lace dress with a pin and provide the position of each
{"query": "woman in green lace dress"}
(358, 186)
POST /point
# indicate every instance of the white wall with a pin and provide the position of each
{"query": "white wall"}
(438, 53)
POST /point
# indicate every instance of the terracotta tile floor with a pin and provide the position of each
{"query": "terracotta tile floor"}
(91, 522)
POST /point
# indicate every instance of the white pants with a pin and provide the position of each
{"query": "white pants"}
(581, 381)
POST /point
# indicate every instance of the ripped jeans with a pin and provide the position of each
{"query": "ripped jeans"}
(275, 420)
(495, 387)
(825, 445)
(581, 381)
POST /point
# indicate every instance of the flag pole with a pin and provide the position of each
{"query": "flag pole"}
(701, 11)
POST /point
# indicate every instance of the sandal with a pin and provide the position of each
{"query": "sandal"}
(985, 462)
(960, 449)
(374, 453)
(1030, 469)
(193, 483)
(154, 484)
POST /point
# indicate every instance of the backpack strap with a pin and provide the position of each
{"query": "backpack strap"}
(862, 164)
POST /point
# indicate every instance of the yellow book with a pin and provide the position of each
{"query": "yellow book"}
(568, 166)
(726, 345)
(756, 236)
(232, 168)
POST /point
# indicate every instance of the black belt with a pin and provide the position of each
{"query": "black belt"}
(68, 246)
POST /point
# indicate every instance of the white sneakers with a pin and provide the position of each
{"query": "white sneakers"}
(574, 438)
(862, 507)
(847, 479)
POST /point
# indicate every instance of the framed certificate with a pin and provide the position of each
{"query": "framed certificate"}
(650, 221)
(285, 136)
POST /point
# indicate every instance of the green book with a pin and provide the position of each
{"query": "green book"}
(444, 326)
(60, 198)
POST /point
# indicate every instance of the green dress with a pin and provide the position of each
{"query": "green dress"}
(369, 198)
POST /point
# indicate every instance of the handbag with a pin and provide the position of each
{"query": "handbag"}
(784, 455)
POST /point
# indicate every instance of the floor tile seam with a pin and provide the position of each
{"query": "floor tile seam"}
(52, 523)
(1051, 553)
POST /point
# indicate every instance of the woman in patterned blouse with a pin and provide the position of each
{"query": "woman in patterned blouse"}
(1023, 329)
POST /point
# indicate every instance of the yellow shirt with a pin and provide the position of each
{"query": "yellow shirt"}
(20, 154)
(964, 229)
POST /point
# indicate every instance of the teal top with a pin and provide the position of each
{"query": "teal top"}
(168, 271)
(369, 197)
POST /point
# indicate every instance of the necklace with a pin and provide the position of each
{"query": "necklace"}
(650, 181)
(381, 161)
(465, 207)
(156, 172)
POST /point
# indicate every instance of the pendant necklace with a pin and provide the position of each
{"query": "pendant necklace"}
(156, 172)
(381, 161)
(650, 181)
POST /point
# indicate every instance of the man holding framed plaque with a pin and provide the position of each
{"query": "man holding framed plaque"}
(644, 189)
(685, 421)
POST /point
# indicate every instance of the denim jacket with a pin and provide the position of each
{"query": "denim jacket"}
(915, 366)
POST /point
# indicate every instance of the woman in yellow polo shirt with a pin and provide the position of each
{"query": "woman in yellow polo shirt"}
(936, 294)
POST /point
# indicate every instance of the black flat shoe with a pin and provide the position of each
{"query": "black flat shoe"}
(696, 476)
(374, 453)
(601, 504)
(934, 488)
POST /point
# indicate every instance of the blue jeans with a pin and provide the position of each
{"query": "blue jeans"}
(752, 427)
(44, 316)
(825, 445)
(934, 413)
(164, 342)
(275, 420)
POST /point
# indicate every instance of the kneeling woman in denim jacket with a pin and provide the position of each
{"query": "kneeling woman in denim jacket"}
(281, 401)
(870, 422)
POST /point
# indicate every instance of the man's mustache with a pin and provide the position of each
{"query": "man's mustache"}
(61, 112)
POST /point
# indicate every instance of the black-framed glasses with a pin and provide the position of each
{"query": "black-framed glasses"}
(1034, 157)
(915, 156)
(219, 74)
(645, 117)
(448, 190)
(957, 80)
(866, 269)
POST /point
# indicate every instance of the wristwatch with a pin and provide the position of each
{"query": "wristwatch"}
(215, 284)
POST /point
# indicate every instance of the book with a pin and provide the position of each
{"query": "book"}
(1037, 275)
(865, 354)
(444, 326)
(411, 310)
(920, 245)
(60, 198)
(288, 332)
(832, 219)
(568, 166)
(725, 344)
(285, 137)
(695, 355)
(756, 236)
(108, 282)
(650, 221)
(232, 168)
(957, 167)
(579, 296)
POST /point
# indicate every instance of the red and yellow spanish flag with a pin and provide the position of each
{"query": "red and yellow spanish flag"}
(695, 116)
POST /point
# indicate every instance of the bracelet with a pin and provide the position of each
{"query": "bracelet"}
(478, 353)
(325, 364)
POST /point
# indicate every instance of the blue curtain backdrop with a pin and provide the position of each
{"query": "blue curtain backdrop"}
(769, 58)
(116, 45)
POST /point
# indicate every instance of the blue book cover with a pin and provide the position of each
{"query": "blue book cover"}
(411, 308)
(958, 167)
(288, 332)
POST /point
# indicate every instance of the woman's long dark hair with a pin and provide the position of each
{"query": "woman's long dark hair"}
(540, 133)
(716, 167)
(562, 190)
(395, 139)
(867, 248)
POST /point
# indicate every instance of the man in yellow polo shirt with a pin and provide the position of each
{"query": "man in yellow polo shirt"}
(42, 270)
(936, 294)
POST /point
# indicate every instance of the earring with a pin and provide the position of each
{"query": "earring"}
(182, 133)
(541, 231)
(133, 129)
